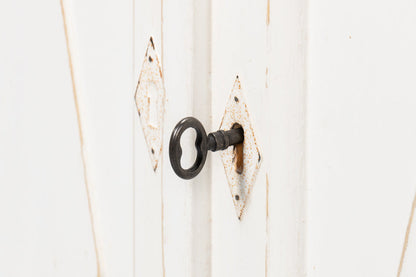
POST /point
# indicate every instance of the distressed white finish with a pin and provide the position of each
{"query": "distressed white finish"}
(179, 195)
(45, 225)
(104, 87)
(172, 215)
(148, 200)
(264, 43)
(150, 99)
(240, 183)
(330, 92)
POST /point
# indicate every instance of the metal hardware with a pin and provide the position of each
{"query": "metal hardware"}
(150, 98)
(219, 140)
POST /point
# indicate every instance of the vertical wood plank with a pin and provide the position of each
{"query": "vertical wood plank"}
(361, 136)
(149, 248)
(172, 215)
(286, 90)
(201, 190)
(45, 228)
(238, 48)
(101, 40)
(177, 63)
(265, 44)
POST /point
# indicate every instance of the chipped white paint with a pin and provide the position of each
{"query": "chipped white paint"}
(150, 101)
(240, 184)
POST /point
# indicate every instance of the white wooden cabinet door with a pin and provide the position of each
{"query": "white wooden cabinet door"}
(361, 135)
(329, 88)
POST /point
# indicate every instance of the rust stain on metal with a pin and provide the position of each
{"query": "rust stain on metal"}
(238, 153)
(240, 181)
(150, 100)
(239, 158)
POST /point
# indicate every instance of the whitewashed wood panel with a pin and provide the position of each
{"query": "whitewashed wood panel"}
(329, 88)
(361, 135)
(285, 133)
(201, 189)
(264, 43)
(181, 204)
(172, 231)
(148, 202)
(100, 37)
(239, 44)
(45, 228)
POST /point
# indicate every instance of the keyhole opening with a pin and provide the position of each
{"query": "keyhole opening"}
(153, 103)
(189, 152)
(238, 151)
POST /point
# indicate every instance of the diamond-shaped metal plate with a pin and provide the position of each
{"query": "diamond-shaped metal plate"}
(150, 101)
(240, 182)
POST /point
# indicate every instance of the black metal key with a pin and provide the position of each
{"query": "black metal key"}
(219, 140)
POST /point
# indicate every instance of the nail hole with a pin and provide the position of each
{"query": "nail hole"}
(153, 151)
(236, 99)
(237, 197)
(238, 151)
(150, 59)
(259, 157)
